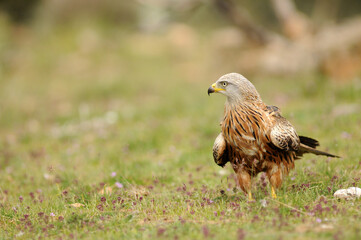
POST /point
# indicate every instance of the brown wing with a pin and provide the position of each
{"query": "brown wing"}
(282, 134)
(220, 152)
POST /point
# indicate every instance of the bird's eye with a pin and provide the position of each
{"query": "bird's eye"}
(224, 84)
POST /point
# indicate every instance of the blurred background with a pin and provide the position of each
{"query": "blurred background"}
(127, 77)
(268, 36)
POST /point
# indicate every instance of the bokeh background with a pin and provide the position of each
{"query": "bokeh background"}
(63, 48)
(110, 97)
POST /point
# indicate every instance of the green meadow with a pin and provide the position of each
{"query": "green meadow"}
(108, 134)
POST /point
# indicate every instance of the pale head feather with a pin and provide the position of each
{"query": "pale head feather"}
(238, 89)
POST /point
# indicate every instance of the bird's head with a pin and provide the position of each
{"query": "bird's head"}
(236, 87)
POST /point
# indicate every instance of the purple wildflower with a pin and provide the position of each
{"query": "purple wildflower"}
(241, 234)
(205, 231)
(160, 231)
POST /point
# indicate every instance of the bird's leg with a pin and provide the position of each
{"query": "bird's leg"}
(274, 195)
(250, 198)
(275, 178)
(244, 181)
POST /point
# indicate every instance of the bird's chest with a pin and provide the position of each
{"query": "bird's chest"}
(245, 134)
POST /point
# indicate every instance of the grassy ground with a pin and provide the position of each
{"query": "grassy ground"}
(106, 134)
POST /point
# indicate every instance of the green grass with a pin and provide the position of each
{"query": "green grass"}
(79, 102)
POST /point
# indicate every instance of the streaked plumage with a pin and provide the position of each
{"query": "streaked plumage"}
(255, 137)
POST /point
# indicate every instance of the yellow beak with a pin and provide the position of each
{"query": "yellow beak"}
(213, 89)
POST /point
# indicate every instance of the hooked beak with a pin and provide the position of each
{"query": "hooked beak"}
(213, 89)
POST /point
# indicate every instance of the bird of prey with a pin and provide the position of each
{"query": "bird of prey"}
(255, 137)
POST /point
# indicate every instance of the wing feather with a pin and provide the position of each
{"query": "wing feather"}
(220, 152)
(283, 135)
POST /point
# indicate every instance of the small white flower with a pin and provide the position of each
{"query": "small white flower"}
(263, 202)
(223, 172)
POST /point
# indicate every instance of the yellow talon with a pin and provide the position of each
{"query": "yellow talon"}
(250, 198)
(274, 195)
